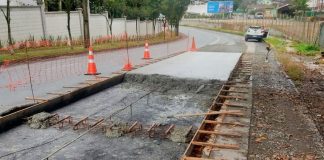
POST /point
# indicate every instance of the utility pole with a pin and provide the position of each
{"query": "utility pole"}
(86, 23)
(60, 5)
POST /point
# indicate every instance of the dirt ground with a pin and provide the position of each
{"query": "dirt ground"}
(281, 128)
(312, 92)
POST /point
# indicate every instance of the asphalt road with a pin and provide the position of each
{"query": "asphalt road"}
(51, 75)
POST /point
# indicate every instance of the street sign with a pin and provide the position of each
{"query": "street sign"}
(220, 7)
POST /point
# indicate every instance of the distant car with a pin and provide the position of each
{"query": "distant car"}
(254, 32)
(258, 15)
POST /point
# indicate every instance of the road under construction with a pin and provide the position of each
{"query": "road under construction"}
(183, 105)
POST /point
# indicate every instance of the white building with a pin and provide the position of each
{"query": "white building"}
(316, 5)
(19, 2)
(198, 9)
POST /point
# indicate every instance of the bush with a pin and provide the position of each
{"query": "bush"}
(293, 69)
(277, 43)
(307, 49)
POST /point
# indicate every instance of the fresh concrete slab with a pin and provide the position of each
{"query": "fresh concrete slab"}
(23, 142)
(195, 65)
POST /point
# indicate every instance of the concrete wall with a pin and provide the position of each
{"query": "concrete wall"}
(118, 26)
(56, 24)
(32, 21)
(98, 25)
(25, 22)
(19, 2)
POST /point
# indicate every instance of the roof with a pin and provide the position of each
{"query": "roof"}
(261, 6)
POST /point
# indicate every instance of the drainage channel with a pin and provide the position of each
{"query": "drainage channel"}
(225, 135)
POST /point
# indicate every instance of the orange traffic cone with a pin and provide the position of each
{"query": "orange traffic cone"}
(193, 45)
(92, 69)
(128, 66)
(147, 54)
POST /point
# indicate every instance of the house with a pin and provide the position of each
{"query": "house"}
(269, 11)
(19, 2)
(316, 5)
(266, 2)
(286, 9)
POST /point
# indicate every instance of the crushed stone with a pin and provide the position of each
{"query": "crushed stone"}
(40, 120)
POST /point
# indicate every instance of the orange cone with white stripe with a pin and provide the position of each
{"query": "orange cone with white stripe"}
(193, 45)
(92, 69)
(147, 54)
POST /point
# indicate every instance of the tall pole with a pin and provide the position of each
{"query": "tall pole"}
(164, 25)
(30, 78)
(126, 36)
(86, 23)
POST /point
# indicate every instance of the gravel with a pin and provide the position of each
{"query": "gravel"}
(280, 129)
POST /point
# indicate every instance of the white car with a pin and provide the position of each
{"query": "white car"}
(259, 15)
(254, 32)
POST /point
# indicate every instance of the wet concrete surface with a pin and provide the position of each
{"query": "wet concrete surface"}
(198, 65)
(163, 100)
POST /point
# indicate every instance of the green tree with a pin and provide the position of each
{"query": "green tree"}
(69, 5)
(300, 5)
(174, 11)
(135, 9)
(86, 21)
(115, 9)
(8, 20)
(153, 11)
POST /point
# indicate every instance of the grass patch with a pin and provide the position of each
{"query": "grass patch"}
(306, 49)
(295, 70)
(277, 43)
(50, 52)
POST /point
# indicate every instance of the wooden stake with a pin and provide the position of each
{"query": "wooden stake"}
(225, 146)
(219, 133)
(233, 112)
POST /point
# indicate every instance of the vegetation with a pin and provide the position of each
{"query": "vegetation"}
(219, 30)
(60, 50)
(277, 43)
(300, 5)
(306, 49)
(173, 10)
(295, 70)
(68, 8)
(8, 20)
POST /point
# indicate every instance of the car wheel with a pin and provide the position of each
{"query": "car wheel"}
(246, 39)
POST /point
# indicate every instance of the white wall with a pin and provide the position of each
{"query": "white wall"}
(98, 25)
(131, 27)
(198, 9)
(56, 24)
(31, 21)
(118, 26)
(19, 2)
(25, 21)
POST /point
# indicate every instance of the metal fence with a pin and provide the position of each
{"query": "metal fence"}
(299, 30)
